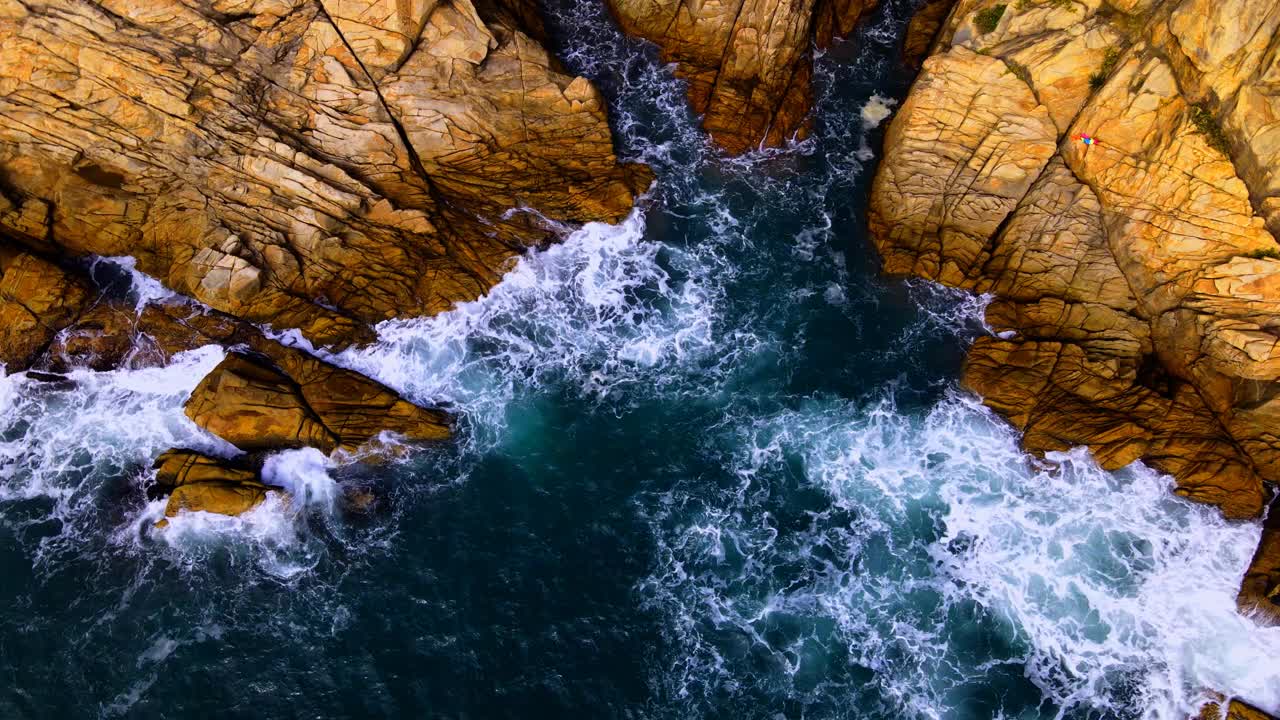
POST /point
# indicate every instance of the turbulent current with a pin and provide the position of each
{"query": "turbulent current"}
(709, 465)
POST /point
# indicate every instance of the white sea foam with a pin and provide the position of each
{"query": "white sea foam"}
(600, 311)
(877, 110)
(1111, 593)
(143, 288)
(304, 474)
(55, 434)
(1117, 596)
(60, 439)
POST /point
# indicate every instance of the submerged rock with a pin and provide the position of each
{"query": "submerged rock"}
(1136, 286)
(103, 338)
(748, 63)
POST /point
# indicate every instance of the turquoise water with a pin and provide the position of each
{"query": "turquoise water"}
(710, 465)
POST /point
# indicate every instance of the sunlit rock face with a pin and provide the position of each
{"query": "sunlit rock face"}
(313, 165)
(1109, 177)
(748, 63)
(288, 399)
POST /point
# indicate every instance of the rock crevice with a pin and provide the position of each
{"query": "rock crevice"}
(1106, 173)
(320, 165)
(748, 63)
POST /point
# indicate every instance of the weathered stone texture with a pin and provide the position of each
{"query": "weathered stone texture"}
(318, 165)
(749, 63)
(1133, 292)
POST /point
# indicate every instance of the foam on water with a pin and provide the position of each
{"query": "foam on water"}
(1107, 592)
(77, 452)
(601, 310)
(143, 289)
(304, 474)
(854, 555)
(877, 110)
(55, 435)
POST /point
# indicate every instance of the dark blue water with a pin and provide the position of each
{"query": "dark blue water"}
(711, 465)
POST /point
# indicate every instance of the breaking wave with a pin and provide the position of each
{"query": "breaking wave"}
(826, 526)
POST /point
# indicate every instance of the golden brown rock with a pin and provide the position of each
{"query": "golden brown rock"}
(1236, 710)
(199, 483)
(1134, 298)
(175, 468)
(924, 29)
(319, 165)
(102, 338)
(1260, 591)
(748, 62)
(37, 300)
(290, 399)
(221, 498)
(268, 397)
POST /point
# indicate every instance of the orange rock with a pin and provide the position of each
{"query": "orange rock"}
(175, 468)
(1133, 292)
(1260, 590)
(748, 62)
(102, 338)
(1236, 710)
(221, 498)
(37, 300)
(199, 483)
(291, 400)
(318, 165)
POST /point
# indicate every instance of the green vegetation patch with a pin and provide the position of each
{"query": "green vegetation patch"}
(988, 19)
(1264, 254)
(1020, 71)
(1109, 62)
(1208, 126)
(1031, 4)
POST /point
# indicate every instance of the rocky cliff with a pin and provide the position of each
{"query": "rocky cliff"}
(748, 62)
(316, 165)
(1107, 171)
(313, 164)
(1135, 288)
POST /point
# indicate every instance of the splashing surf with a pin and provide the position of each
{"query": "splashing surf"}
(821, 525)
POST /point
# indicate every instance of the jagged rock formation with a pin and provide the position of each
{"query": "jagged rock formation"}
(291, 400)
(199, 483)
(1136, 290)
(37, 300)
(314, 164)
(925, 26)
(1260, 589)
(1236, 710)
(748, 62)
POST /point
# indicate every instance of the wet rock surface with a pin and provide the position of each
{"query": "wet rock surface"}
(290, 400)
(199, 483)
(1236, 710)
(749, 63)
(37, 300)
(1260, 589)
(313, 164)
(318, 165)
(1135, 282)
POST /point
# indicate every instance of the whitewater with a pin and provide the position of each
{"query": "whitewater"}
(709, 464)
